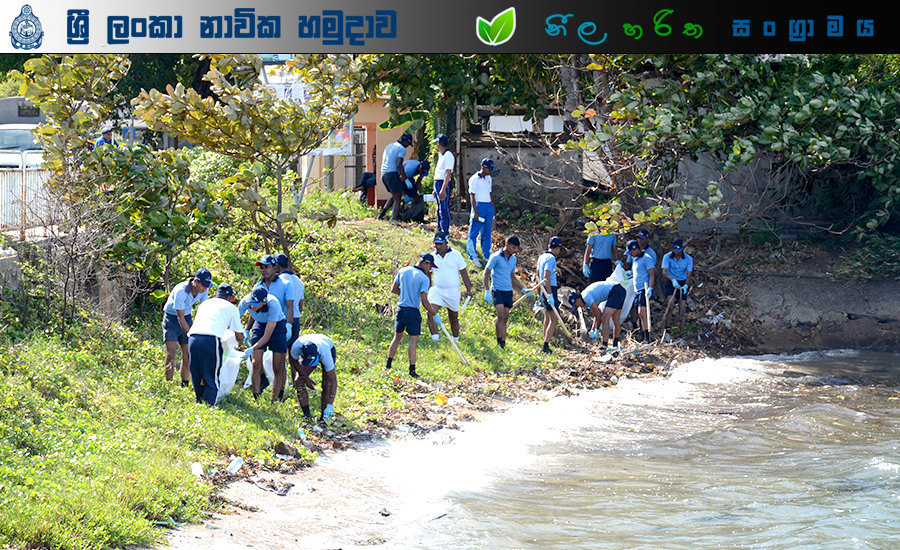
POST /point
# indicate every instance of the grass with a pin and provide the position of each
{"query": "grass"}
(96, 446)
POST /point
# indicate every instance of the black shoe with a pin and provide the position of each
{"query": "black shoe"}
(412, 372)
(185, 383)
(501, 343)
(546, 349)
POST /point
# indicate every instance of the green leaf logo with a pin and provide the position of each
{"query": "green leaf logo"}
(497, 31)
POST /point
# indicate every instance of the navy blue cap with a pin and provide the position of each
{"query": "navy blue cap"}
(574, 297)
(426, 257)
(309, 354)
(258, 296)
(555, 241)
(677, 244)
(205, 277)
(489, 164)
(440, 237)
(268, 259)
(424, 167)
(225, 291)
(631, 245)
(406, 138)
(443, 139)
(282, 260)
(643, 234)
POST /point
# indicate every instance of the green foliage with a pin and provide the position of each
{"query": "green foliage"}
(816, 113)
(10, 85)
(434, 83)
(250, 123)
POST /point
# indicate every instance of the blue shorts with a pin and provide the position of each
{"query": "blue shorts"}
(172, 328)
(670, 290)
(600, 269)
(639, 300)
(392, 181)
(616, 298)
(502, 298)
(408, 319)
(546, 304)
(277, 341)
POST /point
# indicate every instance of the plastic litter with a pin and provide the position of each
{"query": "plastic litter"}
(301, 434)
(235, 465)
(197, 469)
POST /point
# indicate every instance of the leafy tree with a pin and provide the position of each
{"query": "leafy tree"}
(815, 118)
(247, 121)
(129, 206)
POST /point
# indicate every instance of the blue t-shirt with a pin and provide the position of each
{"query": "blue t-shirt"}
(181, 298)
(641, 270)
(648, 252)
(323, 344)
(602, 246)
(281, 289)
(393, 152)
(101, 141)
(502, 269)
(297, 289)
(410, 168)
(597, 293)
(678, 269)
(271, 312)
(413, 282)
(547, 262)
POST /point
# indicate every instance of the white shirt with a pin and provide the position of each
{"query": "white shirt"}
(480, 187)
(444, 163)
(446, 272)
(214, 317)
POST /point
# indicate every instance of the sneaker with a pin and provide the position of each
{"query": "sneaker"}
(476, 262)
(546, 349)
(501, 343)
(412, 372)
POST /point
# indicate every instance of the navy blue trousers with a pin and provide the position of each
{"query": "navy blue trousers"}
(206, 360)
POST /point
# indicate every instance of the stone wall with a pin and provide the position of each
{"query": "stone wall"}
(530, 179)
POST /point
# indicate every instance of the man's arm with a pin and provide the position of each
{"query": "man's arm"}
(464, 273)
(395, 288)
(182, 320)
(587, 254)
(428, 307)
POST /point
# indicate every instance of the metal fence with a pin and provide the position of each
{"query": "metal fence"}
(24, 202)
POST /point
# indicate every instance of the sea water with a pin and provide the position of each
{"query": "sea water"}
(764, 452)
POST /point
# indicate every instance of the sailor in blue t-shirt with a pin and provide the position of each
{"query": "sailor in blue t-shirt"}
(391, 166)
(177, 322)
(613, 294)
(501, 269)
(411, 285)
(644, 277)
(677, 268)
(310, 351)
(546, 274)
(267, 322)
(599, 255)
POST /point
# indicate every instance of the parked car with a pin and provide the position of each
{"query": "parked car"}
(19, 147)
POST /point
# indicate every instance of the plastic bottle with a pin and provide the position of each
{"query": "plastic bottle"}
(235, 465)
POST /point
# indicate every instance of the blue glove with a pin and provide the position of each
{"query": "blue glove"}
(438, 320)
(620, 264)
(526, 292)
(586, 270)
(290, 330)
(327, 412)
(594, 334)
(551, 300)
(487, 296)
(247, 353)
(649, 292)
(248, 335)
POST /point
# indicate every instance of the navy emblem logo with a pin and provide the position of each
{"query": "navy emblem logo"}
(26, 32)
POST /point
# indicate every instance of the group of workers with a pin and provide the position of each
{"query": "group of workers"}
(273, 309)
(274, 305)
